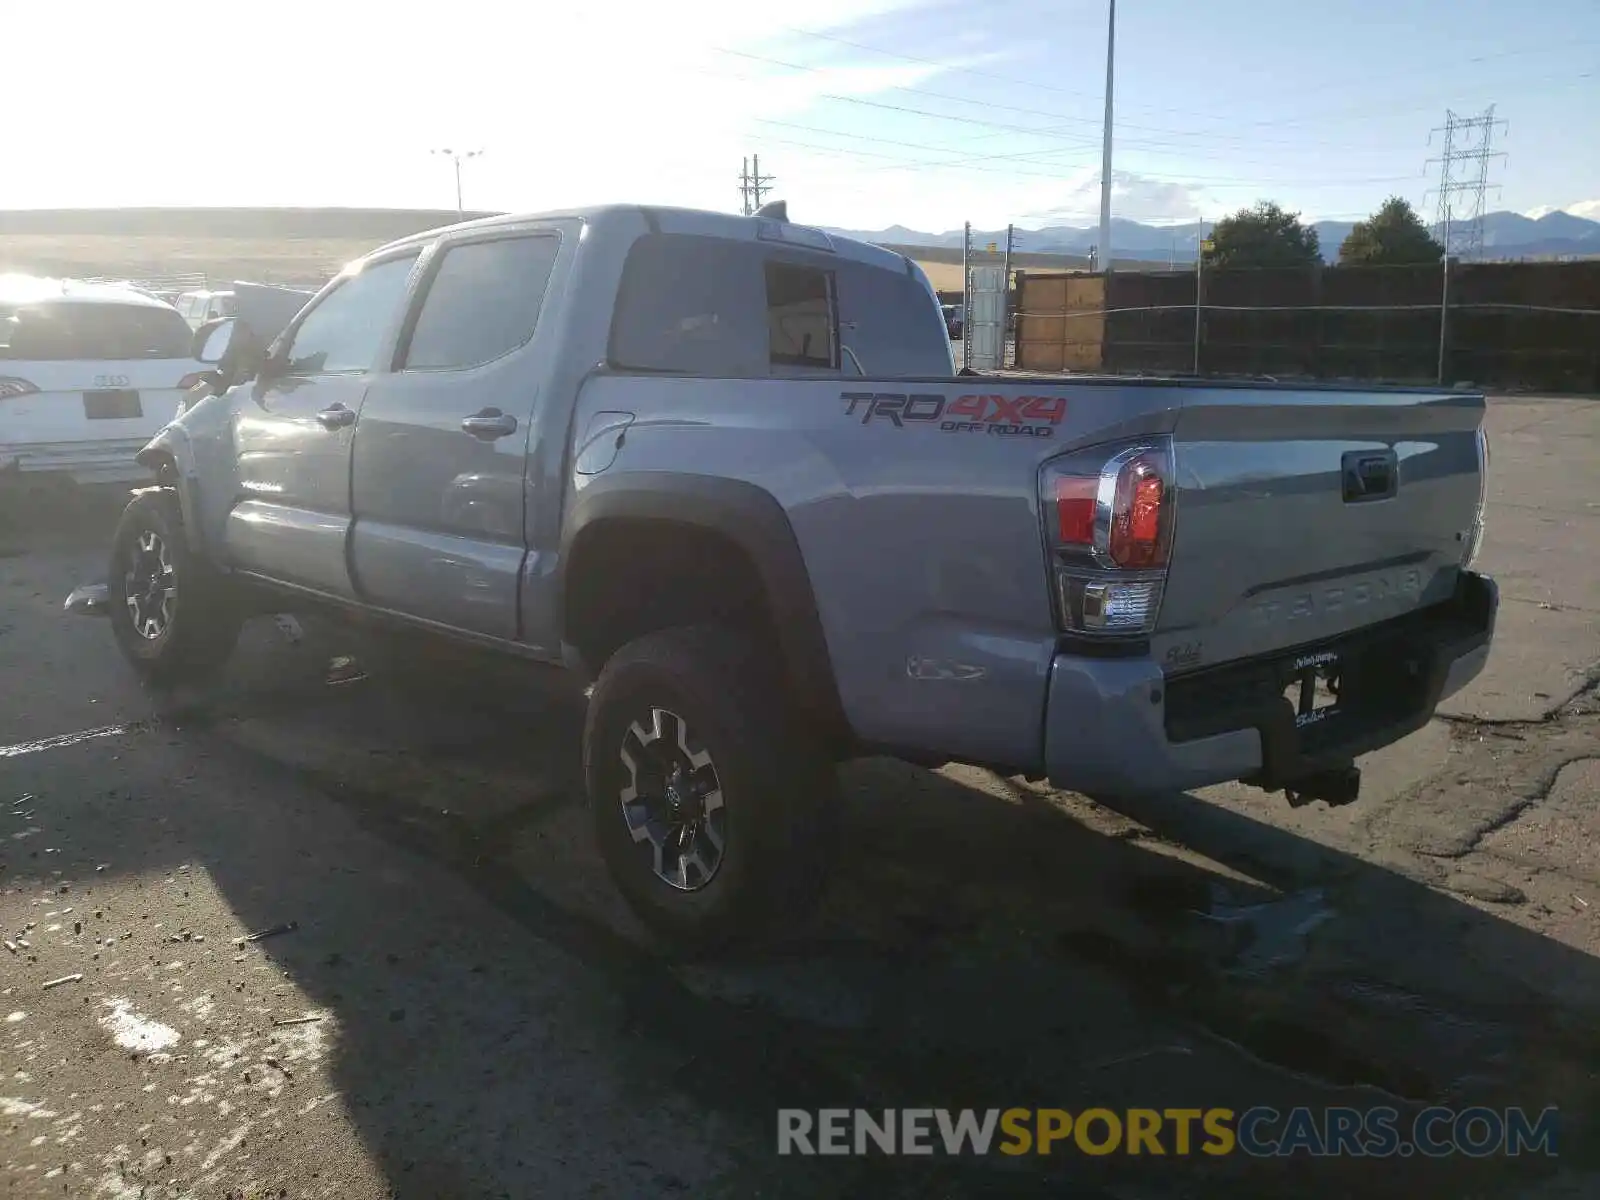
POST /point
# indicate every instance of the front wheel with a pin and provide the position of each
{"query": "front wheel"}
(175, 618)
(709, 801)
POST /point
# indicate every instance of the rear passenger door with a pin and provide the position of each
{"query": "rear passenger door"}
(442, 441)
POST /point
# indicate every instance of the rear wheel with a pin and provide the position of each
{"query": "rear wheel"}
(709, 802)
(175, 618)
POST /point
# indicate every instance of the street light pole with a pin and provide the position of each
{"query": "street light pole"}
(456, 157)
(1105, 161)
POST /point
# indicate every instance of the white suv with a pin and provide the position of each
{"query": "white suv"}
(88, 374)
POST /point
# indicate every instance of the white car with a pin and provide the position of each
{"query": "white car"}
(199, 307)
(88, 374)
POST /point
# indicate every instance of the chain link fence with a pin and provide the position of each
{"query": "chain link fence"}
(1520, 325)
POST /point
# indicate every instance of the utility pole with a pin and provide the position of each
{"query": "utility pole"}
(966, 295)
(753, 185)
(1199, 258)
(1105, 160)
(760, 184)
(457, 157)
(1005, 301)
(1444, 317)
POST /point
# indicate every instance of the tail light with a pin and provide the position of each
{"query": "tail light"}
(1474, 538)
(1111, 512)
(11, 388)
(193, 379)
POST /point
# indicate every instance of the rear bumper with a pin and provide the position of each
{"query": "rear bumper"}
(1121, 727)
(110, 461)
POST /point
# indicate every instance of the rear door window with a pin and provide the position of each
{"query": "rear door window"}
(483, 302)
(691, 305)
(91, 331)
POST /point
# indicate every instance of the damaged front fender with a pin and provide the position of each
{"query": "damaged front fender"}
(193, 456)
(170, 455)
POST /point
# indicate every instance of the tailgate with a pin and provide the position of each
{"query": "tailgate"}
(1305, 514)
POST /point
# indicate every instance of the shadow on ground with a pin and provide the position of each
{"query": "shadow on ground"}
(985, 944)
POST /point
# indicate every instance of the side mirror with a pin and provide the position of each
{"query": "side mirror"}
(211, 341)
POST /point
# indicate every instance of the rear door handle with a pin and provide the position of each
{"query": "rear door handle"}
(336, 416)
(489, 424)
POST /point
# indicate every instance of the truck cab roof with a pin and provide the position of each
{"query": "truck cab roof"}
(698, 222)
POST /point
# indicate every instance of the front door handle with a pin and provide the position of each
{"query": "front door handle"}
(336, 416)
(489, 424)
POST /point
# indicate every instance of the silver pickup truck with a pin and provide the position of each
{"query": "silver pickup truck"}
(722, 468)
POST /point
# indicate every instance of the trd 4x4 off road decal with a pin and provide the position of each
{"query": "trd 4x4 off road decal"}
(1000, 416)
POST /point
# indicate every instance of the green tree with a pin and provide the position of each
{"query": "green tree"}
(1393, 235)
(1263, 236)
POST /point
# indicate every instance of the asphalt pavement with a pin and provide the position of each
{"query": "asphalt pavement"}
(334, 933)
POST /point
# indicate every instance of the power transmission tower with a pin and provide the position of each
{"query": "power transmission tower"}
(753, 185)
(1463, 181)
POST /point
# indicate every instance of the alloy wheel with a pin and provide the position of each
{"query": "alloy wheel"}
(150, 586)
(672, 801)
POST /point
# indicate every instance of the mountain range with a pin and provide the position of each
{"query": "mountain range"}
(1505, 235)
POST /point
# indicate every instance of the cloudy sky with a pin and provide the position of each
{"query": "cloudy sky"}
(869, 113)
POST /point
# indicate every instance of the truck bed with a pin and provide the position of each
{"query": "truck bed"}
(917, 505)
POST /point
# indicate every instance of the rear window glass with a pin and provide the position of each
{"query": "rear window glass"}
(889, 323)
(90, 331)
(800, 318)
(708, 306)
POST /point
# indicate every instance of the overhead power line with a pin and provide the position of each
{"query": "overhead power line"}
(1070, 119)
(1067, 143)
(900, 163)
(1451, 69)
(1066, 138)
(1420, 100)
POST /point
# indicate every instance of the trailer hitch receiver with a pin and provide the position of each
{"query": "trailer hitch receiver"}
(1336, 787)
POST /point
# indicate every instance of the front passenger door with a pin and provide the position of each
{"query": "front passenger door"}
(293, 431)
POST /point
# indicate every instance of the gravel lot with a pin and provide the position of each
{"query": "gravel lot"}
(461, 1008)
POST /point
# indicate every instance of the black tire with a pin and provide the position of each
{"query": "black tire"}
(778, 790)
(189, 637)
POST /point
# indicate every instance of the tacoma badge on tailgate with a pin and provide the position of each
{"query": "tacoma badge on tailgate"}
(1373, 589)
